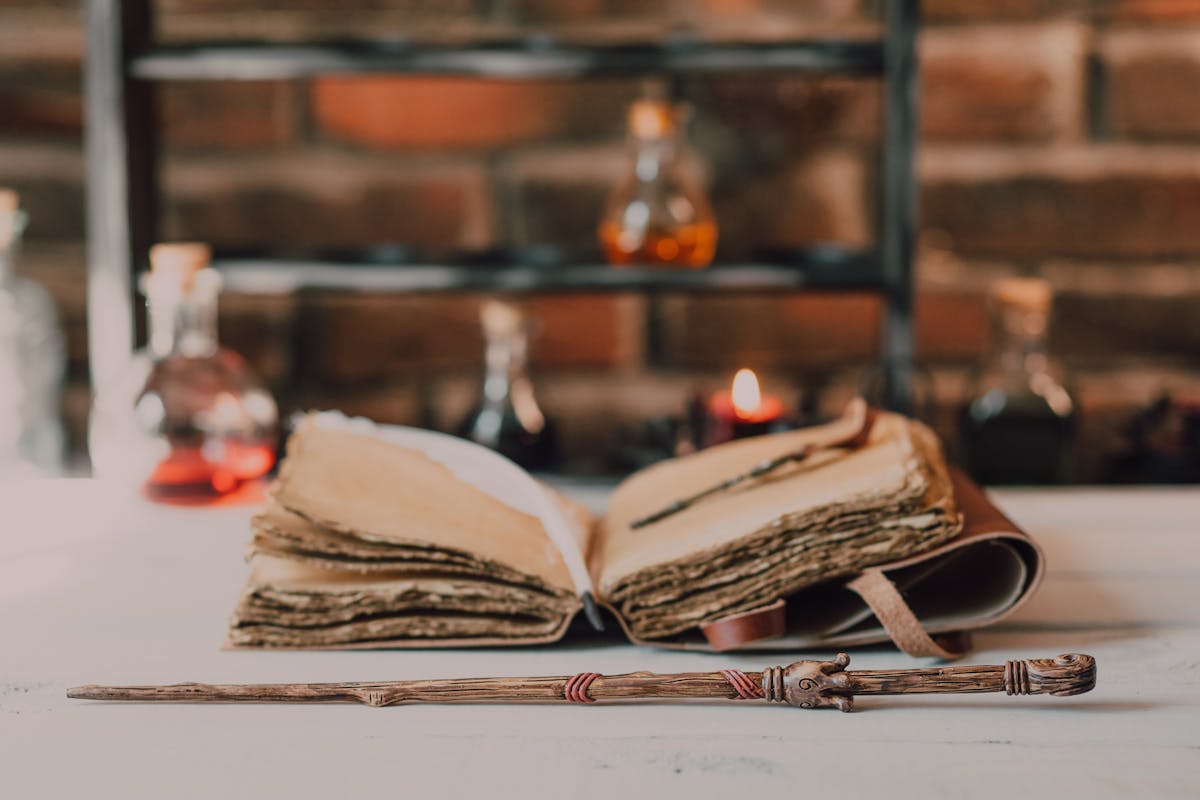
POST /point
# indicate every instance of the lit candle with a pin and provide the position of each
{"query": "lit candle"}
(743, 410)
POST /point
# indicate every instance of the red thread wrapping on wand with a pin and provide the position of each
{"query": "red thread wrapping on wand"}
(576, 690)
(746, 688)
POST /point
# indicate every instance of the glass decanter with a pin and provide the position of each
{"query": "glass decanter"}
(1019, 427)
(657, 214)
(187, 422)
(32, 361)
(507, 418)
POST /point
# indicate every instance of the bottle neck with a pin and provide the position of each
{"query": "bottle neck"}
(504, 364)
(182, 322)
(506, 383)
(652, 158)
(1021, 335)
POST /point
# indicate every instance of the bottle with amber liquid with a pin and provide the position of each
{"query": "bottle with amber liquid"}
(507, 418)
(187, 422)
(1019, 427)
(657, 215)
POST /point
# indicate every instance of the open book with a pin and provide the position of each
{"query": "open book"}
(851, 532)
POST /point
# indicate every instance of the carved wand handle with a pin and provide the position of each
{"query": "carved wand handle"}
(804, 684)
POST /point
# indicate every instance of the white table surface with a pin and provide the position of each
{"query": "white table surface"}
(97, 587)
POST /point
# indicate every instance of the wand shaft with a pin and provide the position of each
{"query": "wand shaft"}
(552, 689)
(805, 684)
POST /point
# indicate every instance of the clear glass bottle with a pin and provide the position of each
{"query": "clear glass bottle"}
(507, 418)
(1019, 427)
(657, 214)
(32, 361)
(187, 422)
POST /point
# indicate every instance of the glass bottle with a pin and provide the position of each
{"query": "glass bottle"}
(188, 422)
(1019, 427)
(657, 215)
(31, 361)
(507, 418)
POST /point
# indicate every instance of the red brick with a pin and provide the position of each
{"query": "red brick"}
(460, 113)
(341, 7)
(727, 332)
(371, 338)
(1117, 202)
(41, 33)
(993, 10)
(556, 196)
(952, 325)
(306, 199)
(1150, 11)
(1105, 329)
(232, 115)
(823, 198)
(1152, 82)
(1003, 82)
(40, 99)
(306, 20)
(261, 329)
(787, 114)
(49, 178)
(814, 330)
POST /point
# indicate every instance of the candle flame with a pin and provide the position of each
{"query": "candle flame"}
(747, 398)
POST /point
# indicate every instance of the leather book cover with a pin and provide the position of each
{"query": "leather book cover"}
(855, 532)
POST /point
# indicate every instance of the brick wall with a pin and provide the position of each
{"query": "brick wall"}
(1060, 139)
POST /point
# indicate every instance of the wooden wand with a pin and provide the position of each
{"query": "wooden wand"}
(804, 684)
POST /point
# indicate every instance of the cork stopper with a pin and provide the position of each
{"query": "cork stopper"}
(1031, 294)
(651, 119)
(178, 262)
(500, 319)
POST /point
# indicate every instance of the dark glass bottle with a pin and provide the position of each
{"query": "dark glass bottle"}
(1019, 427)
(507, 418)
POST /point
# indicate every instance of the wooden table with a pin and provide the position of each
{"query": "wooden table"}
(99, 587)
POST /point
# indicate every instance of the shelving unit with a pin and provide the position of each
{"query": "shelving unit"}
(125, 64)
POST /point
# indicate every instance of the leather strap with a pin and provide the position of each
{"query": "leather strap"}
(749, 626)
(901, 624)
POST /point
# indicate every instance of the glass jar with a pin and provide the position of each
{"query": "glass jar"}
(657, 214)
(188, 421)
(1019, 426)
(32, 361)
(507, 418)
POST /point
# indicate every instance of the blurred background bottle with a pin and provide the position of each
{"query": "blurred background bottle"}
(507, 417)
(31, 361)
(1019, 427)
(188, 421)
(657, 214)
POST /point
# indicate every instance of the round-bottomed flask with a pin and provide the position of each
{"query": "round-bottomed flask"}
(1019, 426)
(657, 215)
(187, 421)
(32, 361)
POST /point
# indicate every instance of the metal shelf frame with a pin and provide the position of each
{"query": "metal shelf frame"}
(512, 59)
(281, 275)
(124, 66)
